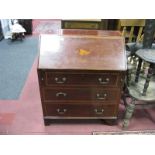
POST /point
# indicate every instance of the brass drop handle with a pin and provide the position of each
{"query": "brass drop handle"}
(103, 81)
(61, 111)
(60, 80)
(101, 97)
(99, 112)
(61, 94)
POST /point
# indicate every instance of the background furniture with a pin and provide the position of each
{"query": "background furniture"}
(27, 24)
(76, 79)
(141, 86)
(94, 24)
(132, 29)
(1, 32)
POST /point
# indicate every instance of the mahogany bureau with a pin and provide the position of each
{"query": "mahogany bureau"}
(81, 76)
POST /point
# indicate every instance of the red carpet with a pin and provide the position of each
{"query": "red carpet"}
(43, 26)
(24, 116)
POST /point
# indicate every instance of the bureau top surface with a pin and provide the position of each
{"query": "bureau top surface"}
(82, 52)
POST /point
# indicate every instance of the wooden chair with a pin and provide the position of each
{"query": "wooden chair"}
(132, 29)
(142, 87)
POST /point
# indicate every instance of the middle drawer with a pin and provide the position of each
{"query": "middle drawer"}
(54, 94)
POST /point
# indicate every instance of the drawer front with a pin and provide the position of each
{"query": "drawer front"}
(80, 94)
(81, 25)
(99, 79)
(81, 110)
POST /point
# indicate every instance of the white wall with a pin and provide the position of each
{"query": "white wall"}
(5, 26)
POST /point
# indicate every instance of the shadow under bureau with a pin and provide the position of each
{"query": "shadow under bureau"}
(81, 76)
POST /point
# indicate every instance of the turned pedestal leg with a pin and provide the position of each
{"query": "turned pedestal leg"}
(138, 70)
(146, 85)
(128, 76)
(128, 113)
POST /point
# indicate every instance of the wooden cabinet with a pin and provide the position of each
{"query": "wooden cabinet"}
(81, 76)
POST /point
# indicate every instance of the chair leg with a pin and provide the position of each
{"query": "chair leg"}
(138, 70)
(128, 76)
(146, 85)
(128, 113)
(145, 65)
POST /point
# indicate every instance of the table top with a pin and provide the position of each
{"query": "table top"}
(82, 52)
(147, 55)
(136, 89)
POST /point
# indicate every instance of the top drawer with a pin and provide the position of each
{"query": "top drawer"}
(100, 79)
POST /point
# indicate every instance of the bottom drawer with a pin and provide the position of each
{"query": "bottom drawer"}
(81, 110)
